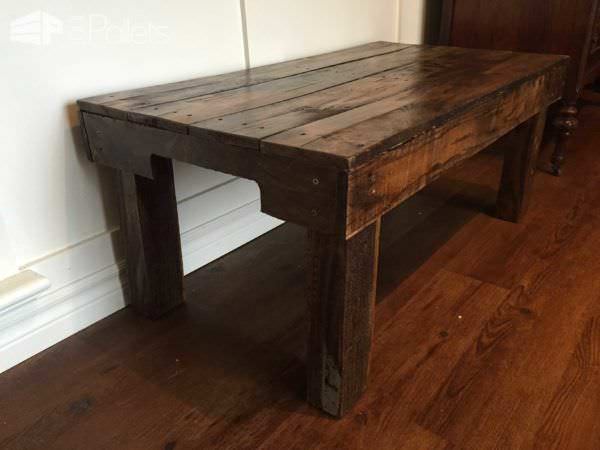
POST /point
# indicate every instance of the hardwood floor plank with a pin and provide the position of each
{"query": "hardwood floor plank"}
(507, 375)
(566, 423)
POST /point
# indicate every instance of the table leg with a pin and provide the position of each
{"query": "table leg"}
(150, 229)
(522, 149)
(342, 283)
(565, 124)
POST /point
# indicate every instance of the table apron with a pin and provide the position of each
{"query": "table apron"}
(291, 189)
(384, 183)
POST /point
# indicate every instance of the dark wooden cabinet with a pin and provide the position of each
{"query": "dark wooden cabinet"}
(568, 27)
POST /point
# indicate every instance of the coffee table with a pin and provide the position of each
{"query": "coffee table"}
(334, 142)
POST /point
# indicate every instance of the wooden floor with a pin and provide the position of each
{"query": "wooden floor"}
(487, 337)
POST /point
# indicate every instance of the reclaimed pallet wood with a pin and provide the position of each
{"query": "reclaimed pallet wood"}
(334, 142)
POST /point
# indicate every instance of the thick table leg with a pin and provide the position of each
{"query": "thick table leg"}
(342, 279)
(522, 149)
(150, 229)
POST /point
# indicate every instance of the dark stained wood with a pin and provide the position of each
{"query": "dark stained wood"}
(197, 109)
(150, 231)
(565, 123)
(396, 84)
(520, 160)
(361, 133)
(518, 369)
(577, 391)
(334, 143)
(114, 102)
(381, 185)
(310, 114)
(342, 279)
(292, 190)
(544, 26)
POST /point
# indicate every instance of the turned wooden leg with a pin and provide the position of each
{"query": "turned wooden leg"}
(150, 229)
(342, 282)
(565, 123)
(520, 159)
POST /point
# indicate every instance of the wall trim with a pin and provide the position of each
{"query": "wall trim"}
(244, 19)
(21, 287)
(88, 282)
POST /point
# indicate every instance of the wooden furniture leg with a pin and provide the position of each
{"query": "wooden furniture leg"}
(150, 230)
(342, 283)
(520, 159)
(565, 123)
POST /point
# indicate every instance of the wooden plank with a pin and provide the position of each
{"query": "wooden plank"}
(150, 230)
(378, 186)
(564, 424)
(126, 100)
(429, 71)
(291, 189)
(342, 281)
(343, 113)
(199, 108)
(522, 149)
(358, 134)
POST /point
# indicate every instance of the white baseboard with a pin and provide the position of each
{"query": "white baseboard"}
(87, 279)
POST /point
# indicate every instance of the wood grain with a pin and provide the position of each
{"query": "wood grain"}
(126, 100)
(520, 161)
(342, 280)
(334, 143)
(528, 26)
(150, 231)
(541, 26)
(195, 109)
(382, 184)
(327, 115)
(360, 134)
(293, 190)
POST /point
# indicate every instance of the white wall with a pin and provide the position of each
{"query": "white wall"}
(57, 210)
(285, 29)
(52, 198)
(411, 21)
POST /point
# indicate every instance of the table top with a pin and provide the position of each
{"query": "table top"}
(341, 108)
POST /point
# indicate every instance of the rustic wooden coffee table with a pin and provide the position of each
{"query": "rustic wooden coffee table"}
(334, 142)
